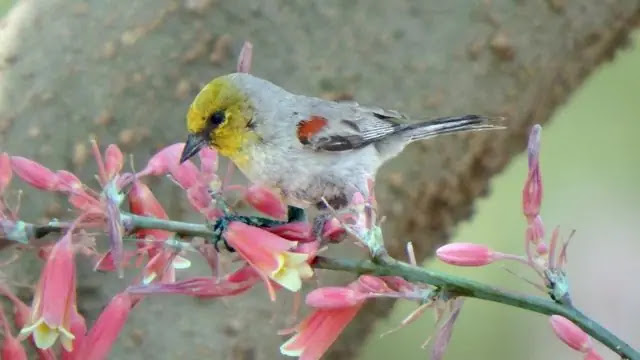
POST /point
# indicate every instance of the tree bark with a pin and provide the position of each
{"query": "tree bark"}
(126, 72)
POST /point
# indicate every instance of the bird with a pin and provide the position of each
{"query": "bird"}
(313, 152)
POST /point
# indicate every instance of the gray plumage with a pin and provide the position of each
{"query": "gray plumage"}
(335, 161)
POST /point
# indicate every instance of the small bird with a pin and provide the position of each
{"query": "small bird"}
(312, 151)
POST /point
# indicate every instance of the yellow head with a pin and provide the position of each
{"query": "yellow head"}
(220, 117)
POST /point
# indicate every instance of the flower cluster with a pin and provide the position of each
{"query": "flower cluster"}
(278, 248)
(547, 260)
(280, 254)
(335, 307)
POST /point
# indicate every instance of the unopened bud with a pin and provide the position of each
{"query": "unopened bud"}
(208, 160)
(34, 174)
(113, 160)
(266, 201)
(244, 59)
(532, 191)
(163, 160)
(334, 298)
(465, 254)
(185, 174)
(372, 284)
(5, 171)
(570, 334)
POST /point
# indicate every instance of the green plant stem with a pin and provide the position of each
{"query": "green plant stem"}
(384, 265)
(473, 289)
(134, 222)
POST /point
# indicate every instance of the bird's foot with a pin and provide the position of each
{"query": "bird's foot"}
(220, 225)
(317, 228)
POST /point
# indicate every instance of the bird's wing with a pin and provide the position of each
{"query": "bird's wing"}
(343, 126)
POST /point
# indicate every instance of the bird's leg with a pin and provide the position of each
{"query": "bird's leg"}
(295, 214)
(220, 225)
(318, 225)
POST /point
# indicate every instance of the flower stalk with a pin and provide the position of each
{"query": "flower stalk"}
(387, 266)
(281, 250)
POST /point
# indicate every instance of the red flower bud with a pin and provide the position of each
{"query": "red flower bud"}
(34, 174)
(113, 161)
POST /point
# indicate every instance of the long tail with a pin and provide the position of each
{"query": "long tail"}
(451, 124)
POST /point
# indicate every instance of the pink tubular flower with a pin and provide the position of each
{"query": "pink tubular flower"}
(105, 331)
(532, 191)
(143, 202)
(266, 201)
(67, 181)
(315, 334)
(208, 161)
(55, 297)
(199, 198)
(233, 284)
(5, 171)
(21, 315)
(443, 335)
(245, 57)
(372, 284)
(113, 161)
(69, 184)
(592, 355)
(573, 336)
(11, 348)
(162, 267)
(333, 230)
(270, 255)
(163, 160)
(21, 312)
(185, 174)
(79, 330)
(535, 230)
(162, 263)
(104, 262)
(570, 333)
(34, 174)
(337, 306)
(334, 297)
(296, 231)
(465, 254)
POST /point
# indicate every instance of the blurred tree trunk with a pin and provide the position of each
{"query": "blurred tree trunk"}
(126, 71)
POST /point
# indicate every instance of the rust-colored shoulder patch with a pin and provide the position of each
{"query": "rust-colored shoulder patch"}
(308, 128)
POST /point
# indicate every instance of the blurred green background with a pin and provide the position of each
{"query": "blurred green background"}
(590, 163)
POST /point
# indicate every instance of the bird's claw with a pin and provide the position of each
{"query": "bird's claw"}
(220, 225)
(317, 228)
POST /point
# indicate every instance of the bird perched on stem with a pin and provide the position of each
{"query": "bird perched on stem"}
(308, 149)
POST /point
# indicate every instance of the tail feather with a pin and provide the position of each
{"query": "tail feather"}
(447, 125)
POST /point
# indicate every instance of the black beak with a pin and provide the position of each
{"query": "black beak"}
(195, 142)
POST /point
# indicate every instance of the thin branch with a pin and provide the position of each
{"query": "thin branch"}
(469, 288)
(134, 222)
(384, 265)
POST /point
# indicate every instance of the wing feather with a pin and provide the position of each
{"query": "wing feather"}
(348, 126)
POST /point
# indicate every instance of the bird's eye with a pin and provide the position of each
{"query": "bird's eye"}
(216, 118)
